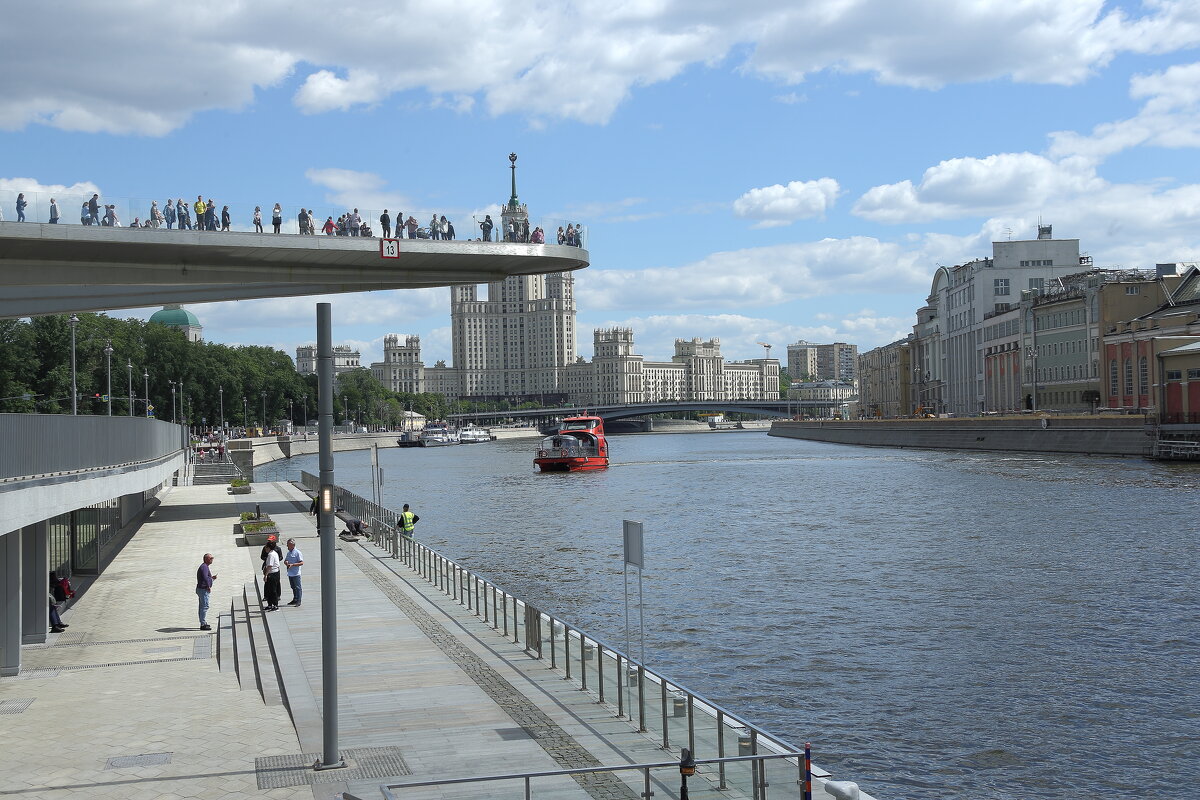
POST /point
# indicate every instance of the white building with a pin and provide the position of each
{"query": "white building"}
(345, 358)
(697, 371)
(401, 369)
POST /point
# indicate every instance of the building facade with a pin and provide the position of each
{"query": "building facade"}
(697, 372)
(401, 369)
(345, 358)
(822, 362)
(176, 316)
(885, 380)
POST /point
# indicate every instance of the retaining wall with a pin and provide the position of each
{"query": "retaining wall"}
(1118, 435)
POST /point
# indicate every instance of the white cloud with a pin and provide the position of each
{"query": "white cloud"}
(576, 60)
(782, 205)
(760, 276)
(963, 187)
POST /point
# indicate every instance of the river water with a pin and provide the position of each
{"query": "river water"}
(937, 624)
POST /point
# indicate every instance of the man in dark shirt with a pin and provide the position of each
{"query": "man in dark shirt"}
(204, 583)
(385, 222)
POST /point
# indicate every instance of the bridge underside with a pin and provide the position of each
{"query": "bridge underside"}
(54, 269)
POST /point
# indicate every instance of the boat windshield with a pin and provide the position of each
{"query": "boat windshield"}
(580, 424)
(567, 447)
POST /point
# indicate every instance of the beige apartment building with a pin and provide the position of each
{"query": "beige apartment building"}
(885, 380)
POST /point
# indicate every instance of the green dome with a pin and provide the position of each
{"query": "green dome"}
(175, 316)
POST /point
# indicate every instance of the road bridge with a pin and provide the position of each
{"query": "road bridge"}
(766, 408)
(59, 269)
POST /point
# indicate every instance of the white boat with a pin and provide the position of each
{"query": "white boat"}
(437, 434)
(470, 434)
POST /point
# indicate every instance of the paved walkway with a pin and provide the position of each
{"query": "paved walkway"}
(426, 690)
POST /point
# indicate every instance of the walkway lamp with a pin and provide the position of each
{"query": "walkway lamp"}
(264, 406)
(173, 417)
(245, 414)
(73, 322)
(221, 397)
(108, 351)
(146, 383)
(304, 400)
(129, 369)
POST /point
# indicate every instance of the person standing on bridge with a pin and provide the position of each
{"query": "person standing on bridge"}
(54, 215)
(294, 560)
(199, 207)
(204, 584)
(487, 226)
(385, 224)
(94, 209)
(85, 216)
(185, 215)
(277, 217)
(258, 219)
(408, 521)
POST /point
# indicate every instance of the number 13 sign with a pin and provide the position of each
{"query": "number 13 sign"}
(389, 248)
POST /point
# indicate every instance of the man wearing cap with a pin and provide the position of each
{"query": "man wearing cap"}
(204, 583)
(294, 560)
(271, 587)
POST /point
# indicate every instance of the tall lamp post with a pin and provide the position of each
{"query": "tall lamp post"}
(264, 407)
(245, 414)
(221, 395)
(73, 322)
(304, 400)
(173, 417)
(129, 368)
(146, 383)
(108, 351)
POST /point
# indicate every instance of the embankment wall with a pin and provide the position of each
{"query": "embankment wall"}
(251, 453)
(1122, 436)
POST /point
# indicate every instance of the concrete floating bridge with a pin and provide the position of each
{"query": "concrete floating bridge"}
(56, 269)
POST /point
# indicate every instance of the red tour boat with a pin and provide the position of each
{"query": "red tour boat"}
(579, 444)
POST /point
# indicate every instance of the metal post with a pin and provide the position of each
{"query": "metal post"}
(221, 396)
(73, 322)
(146, 388)
(129, 369)
(108, 351)
(331, 757)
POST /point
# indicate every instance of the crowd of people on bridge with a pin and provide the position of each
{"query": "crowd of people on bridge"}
(203, 215)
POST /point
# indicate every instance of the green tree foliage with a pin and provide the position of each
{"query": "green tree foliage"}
(205, 380)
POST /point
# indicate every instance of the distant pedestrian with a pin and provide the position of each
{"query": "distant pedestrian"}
(185, 214)
(21, 204)
(204, 583)
(277, 217)
(54, 215)
(355, 223)
(487, 226)
(408, 521)
(258, 219)
(302, 221)
(329, 227)
(94, 209)
(412, 227)
(385, 223)
(435, 231)
(85, 216)
(312, 507)
(271, 587)
(169, 213)
(293, 561)
(226, 218)
(210, 216)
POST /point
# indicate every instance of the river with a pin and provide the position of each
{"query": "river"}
(937, 624)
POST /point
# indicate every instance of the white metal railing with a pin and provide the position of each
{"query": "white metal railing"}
(42, 444)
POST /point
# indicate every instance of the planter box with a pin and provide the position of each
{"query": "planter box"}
(260, 538)
(239, 489)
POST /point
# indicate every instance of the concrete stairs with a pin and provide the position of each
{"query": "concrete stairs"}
(244, 646)
(214, 472)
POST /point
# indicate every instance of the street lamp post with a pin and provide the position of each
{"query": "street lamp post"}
(108, 351)
(245, 414)
(173, 417)
(73, 322)
(304, 400)
(129, 368)
(264, 407)
(146, 383)
(221, 395)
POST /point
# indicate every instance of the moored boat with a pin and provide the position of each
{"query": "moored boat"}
(578, 445)
(470, 434)
(408, 439)
(438, 434)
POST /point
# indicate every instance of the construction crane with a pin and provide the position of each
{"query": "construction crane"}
(767, 346)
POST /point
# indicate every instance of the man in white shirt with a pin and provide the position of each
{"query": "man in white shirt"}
(293, 561)
(271, 589)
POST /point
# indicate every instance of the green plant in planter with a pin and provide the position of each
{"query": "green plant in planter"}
(237, 483)
(248, 515)
(256, 527)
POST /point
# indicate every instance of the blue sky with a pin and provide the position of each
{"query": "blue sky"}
(777, 172)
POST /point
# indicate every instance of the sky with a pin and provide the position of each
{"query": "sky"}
(758, 172)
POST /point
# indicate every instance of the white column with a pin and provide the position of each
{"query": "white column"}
(10, 603)
(35, 582)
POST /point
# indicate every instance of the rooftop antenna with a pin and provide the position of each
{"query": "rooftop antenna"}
(1008, 232)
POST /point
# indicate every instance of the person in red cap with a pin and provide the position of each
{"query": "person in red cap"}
(271, 587)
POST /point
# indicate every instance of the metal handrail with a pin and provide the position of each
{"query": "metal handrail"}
(386, 789)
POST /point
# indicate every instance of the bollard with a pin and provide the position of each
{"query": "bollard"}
(588, 652)
(744, 743)
(678, 705)
(842, 790)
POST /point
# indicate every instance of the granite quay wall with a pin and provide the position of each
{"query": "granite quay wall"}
(250, 453)
(1118, 435)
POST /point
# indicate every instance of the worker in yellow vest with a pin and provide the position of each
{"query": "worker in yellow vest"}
(408, 521)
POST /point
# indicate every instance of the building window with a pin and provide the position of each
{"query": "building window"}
(1037, 283)
(1114, 388)
(1000, 286)
(1175, 374)
(1193, 374)
(1129, 376)
(1143, 376)
(1133, 290)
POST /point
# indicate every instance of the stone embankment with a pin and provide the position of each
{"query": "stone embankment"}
(250, 453)
(1095, 435)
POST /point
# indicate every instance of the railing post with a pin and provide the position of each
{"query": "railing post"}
(662, 685)
(641, 678)
(600, 670)
(620, 688)
(721, 749)
(567, 649)
(691, 722)
(582, 664)
(553, 652)
(505, 614)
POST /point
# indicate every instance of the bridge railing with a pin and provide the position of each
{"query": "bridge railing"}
(71, 207)
(46, 444)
